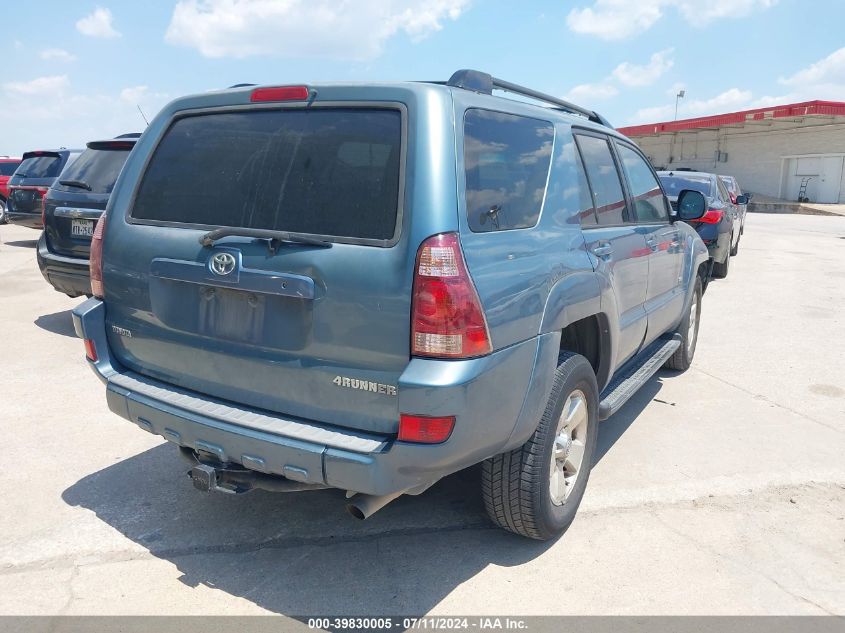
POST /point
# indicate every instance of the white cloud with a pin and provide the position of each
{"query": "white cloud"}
(625, 74)
(831, 69)
(98, 24)
(615, 19)
(66, 118)
(700, 13)
(134, 94)
(57, 54)
(823, 80)
(620, 19)
(633, 75)
(591, 92)
(53, 85)
(728, 101)
(304, 28)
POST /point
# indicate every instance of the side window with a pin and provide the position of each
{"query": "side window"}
(568, 199)
(649, 203)
(507, 160)
(723, 191)
(605, 185)
(587, 213)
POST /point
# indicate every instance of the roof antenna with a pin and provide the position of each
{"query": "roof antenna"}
(142, 114)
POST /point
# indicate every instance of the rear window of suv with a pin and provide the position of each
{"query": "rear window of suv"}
(506, 158)
(8, 168)
(44, 166)
(675, 184)
(98, 168)
(331, 172)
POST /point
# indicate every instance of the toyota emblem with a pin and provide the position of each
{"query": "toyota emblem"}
(222, 263)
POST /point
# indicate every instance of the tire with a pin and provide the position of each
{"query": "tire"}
(720, 270)
(2, 211)
(742, 227)
(516, 485)
(682, 358)
(735, 249)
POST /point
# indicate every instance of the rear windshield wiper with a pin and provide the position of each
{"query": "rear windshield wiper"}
(275, 238)
(76, 183)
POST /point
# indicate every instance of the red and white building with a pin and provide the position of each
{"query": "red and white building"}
(771, 151)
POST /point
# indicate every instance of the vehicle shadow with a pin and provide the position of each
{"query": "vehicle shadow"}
(615, 426)
(57, 323)
(22, 243)
(300, 554)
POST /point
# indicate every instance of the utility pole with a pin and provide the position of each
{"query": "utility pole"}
(678, 97)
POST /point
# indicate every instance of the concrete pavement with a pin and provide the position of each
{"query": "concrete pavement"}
(718, 491)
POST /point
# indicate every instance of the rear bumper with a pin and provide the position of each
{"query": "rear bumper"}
(487, 395)
(69, 275)
(717, 238)
(29, 220)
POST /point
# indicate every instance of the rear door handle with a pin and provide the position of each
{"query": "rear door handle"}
(672, 233)
(651, 243)
(603, 250)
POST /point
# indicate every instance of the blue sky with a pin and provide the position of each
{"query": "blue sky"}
(74, 71)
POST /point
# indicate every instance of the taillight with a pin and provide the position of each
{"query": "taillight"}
(713, 216)
(446, 316)
(95, 261)
(424, 429)
(90, 350)
(280, 93)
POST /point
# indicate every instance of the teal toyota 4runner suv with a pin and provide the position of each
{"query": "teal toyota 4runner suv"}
(371, 286)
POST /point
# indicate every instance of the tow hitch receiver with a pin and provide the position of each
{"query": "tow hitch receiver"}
(234, 479)
(204, 477)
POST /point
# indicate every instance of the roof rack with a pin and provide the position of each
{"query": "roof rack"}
(485, 83)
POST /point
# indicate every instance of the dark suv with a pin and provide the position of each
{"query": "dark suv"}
(30, 182)
(371, 286)
(72, 207)
(8, 165)
(720, 227)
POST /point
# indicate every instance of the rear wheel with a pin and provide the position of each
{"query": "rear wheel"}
(535, 490)
(688, 330)
(720, 269)
(2, 211)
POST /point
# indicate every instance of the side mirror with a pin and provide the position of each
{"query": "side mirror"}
(691, 204)
(742, 199)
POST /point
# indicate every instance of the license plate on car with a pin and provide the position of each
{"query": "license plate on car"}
(82, 228)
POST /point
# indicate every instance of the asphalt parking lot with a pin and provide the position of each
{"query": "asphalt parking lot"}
(718, 491)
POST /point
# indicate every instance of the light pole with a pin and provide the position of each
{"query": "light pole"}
(678, 96)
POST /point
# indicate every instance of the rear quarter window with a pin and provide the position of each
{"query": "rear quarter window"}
(506, 162)
(40, 167)
(7, 169)
(331, 172)
(98, 169)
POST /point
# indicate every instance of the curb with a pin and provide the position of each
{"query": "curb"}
(780, 207)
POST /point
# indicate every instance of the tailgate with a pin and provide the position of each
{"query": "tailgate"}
(69, 222)
(319, 331)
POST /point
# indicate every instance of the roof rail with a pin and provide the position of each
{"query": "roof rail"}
(485, 83)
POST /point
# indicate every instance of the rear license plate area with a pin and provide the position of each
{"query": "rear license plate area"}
(82, 228)
(230, 314)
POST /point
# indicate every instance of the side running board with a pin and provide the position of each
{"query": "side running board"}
(628, 382)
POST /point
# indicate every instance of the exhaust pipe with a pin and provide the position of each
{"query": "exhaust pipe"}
(364, 506)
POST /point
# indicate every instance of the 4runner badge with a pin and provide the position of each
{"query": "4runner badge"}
(364, 385)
